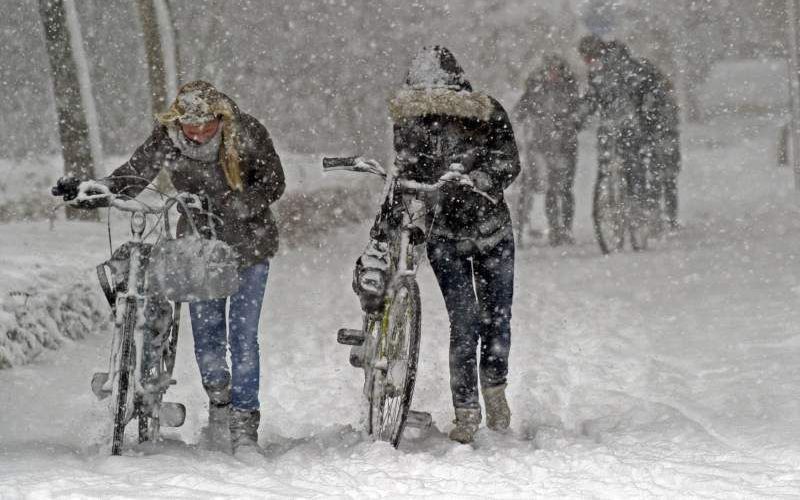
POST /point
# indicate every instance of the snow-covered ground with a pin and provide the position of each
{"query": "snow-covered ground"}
(669, 373)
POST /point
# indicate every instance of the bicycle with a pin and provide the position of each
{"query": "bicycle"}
(619, 202)
(387, 345)
(146, 324)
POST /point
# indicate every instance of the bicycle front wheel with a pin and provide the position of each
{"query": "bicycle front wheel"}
(608, 209)
(122, 399)
(395, 364)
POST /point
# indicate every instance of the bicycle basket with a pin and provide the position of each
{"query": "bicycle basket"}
(193, 268)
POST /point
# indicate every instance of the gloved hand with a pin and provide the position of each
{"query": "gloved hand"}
(455, 174)
(66, 187)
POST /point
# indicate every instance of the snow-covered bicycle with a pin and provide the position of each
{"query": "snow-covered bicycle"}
(146, 324)
(619, 202)
(387, 345)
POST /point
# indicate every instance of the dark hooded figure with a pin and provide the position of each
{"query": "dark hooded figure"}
(212, 149)
(548, 111)
(660, 124)
(444, 128)
(614, 93)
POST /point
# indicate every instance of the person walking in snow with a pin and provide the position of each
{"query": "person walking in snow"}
(614, 93)
(212, 149)
(548, 111)
(445, 130)
(660, 119)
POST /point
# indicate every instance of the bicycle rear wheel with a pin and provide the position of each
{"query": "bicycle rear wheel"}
(608, 209)
(121, 390)
(395, 364)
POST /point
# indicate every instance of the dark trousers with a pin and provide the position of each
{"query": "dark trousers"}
(478, 289)
(559, 201)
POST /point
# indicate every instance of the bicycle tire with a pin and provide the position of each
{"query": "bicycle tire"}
(392, 387)
(123, 378)
(608, 209)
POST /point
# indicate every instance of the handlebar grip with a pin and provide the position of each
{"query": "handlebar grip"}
(333, 162)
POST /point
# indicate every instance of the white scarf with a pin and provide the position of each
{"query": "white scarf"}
(207, 152)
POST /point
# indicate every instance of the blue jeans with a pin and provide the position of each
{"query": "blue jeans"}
(478, 289)
(211, 338)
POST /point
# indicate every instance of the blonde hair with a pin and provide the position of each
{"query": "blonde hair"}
(220, 106)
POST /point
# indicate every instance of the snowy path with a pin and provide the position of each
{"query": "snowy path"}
(668, 373)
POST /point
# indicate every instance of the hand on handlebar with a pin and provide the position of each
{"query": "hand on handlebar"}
(83, 194)
(66, 187)
(455, 174)
(478, 182)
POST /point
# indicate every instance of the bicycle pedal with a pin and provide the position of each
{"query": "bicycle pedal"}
(419, 419)
(99, 379)
(350, 336)
(171, 414)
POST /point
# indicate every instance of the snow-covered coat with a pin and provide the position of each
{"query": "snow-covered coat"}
(437, 125)
(659, 115)
(549, 106)
(248, 224)
(614, 92)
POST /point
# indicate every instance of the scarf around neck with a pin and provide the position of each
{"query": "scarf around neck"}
(206, 153)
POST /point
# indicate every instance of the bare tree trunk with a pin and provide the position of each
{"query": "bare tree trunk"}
(155, 56)
(794, 89)
(72, 124)
(167, 31)
(159, 44)
(207, 67)
(180, 70)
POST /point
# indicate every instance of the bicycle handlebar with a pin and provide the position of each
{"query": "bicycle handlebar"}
(360, 164)
(130, 205)
(329, 163)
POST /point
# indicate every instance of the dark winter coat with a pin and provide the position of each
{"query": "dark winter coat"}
(435, 127)
(247, 223)
(550, 107)
(614, 94)
(659, 115)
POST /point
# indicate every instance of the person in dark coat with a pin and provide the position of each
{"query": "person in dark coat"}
(444, 129)
(614, 94)
(548, 109)
(660, 119)
(212, 149)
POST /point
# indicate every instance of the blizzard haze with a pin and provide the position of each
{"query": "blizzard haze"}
(668, 373)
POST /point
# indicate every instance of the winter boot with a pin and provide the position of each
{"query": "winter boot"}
(498, 415)
(217, 434)
(467, 422)
(244, 432)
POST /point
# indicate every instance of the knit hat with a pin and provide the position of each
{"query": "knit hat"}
(436, 67)
(199, 102)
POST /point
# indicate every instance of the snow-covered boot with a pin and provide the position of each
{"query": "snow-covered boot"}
(217, 433)
(467, 422)
(244, 432)
(498, 414)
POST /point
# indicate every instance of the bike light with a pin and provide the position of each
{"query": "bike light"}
(138, 223)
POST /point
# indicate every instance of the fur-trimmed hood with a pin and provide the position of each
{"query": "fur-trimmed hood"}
(414, 103)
